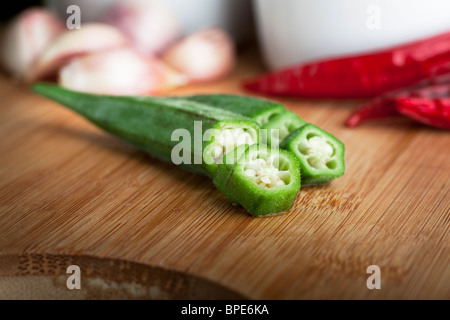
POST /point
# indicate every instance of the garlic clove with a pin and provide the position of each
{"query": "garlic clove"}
(92, 37)
(25, 38)
(119, 72)
(149, 24)
(203, 56)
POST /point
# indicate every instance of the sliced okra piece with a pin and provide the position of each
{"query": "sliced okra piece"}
(197, 134)
(321, 155)
(276, 130)
(259, 110)
(265, 181)
(225, 169)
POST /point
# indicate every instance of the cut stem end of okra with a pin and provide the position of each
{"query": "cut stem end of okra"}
(226, 138)
(229, 139)
(321, 155)
(265, 181)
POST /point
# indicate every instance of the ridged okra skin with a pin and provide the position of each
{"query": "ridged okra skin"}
(225, 169)
(259, 110)
(149, 123)
(321, 155)
(272, 116)
(265, 181)
(277, 129)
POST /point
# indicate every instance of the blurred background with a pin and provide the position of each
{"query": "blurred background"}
(15, 7)
(162, 44)
(235, 16)
(198, 40)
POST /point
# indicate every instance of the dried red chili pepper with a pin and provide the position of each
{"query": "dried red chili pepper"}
(432, 112)
(381, 107)
(387, 104)
(360, 76)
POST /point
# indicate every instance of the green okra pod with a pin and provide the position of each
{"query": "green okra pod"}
(160, 126)
(264, 180)
(321, 155)
(272, 116)
(260, 110)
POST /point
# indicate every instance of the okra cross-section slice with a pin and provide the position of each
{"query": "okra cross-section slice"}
(189, 134)
(224, 137)
(259, 110)
(277, 129)
(321, 155)
(265, 181)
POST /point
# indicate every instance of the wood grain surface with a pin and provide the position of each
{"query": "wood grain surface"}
(140, 228)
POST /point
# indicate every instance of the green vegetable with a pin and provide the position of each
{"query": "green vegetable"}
(321, 155)
(151, 124)
(223, 141)
(277, 129)
(260, 110)
(265, 181)
(225, 169)
(272, 116)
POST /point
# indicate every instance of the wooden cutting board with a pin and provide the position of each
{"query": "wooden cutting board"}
(139, 228)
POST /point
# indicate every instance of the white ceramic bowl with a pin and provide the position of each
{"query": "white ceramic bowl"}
(297, 31)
